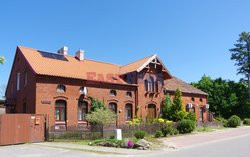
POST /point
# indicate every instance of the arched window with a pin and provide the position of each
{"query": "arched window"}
(151, 84)
(128, 112)
(82, 110)
(201, 100)
(112, 93)
(156, 86)
(113, 107)
(61, 88)
(146, 85)
(129, 94)
(60, 110)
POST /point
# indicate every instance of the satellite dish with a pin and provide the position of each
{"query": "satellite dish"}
(190, 105)
(207, 106)
(84, 90)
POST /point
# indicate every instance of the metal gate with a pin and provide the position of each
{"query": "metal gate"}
(21, 128)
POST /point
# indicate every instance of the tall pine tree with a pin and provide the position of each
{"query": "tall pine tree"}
(241, 54)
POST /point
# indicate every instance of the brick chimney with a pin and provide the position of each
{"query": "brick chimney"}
(80, 55)
(63, 50)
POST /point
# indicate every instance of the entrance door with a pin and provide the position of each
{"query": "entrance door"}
(151, 111)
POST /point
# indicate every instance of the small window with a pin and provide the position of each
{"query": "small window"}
(192, 98)
(201, 100)
(18, 81)
(25, 79)
(129, 94)
(61, 89)
(128, 112)
(82, 110)
(112, 93)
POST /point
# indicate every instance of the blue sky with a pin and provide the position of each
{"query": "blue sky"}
(191, 37)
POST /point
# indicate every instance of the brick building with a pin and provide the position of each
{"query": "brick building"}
(61, 86)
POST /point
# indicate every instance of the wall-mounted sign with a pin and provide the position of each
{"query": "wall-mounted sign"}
(46, 102)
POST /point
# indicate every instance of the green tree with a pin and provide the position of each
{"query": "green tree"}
(241, 54)
(177, 101)
(96, 104)
(178, 110)
(1, 59)
(101, 116)
(167, 108)
(226, 97)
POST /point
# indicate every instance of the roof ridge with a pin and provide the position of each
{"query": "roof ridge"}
(102, 62)
(68, 55)
(138, 60)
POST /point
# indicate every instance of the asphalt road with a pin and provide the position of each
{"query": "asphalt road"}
(235, 147)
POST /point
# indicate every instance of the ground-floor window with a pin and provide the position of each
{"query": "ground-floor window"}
(192, 109)
(60, 110)
(201, 114)
(82, 110)
(128, 112)
(113, 107)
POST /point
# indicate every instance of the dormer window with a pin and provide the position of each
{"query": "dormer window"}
(129, 94)
(61, 88)
(112, 93)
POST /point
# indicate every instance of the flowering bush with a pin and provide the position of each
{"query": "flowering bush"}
(135, 121)
(159, 120)
(130, 144)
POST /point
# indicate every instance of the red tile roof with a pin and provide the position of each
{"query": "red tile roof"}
(174, 83)
(93, 70)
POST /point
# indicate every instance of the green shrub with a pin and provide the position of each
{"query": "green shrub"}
(186, 126)
(191, 116)
(246, 121)
(139, 134)
(158, 134)
(169, 130)
(101, 117)
(221, 120)
(233, 121)
(181, 115)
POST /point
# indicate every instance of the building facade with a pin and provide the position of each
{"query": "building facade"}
(62, 86)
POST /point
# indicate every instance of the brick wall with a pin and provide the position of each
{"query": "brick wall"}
(26, 94)
(46, 91)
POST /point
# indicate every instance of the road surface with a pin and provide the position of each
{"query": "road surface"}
(234, 147)
(225, 143)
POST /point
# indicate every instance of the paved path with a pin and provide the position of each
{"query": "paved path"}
(235, 147)
(200, 138)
